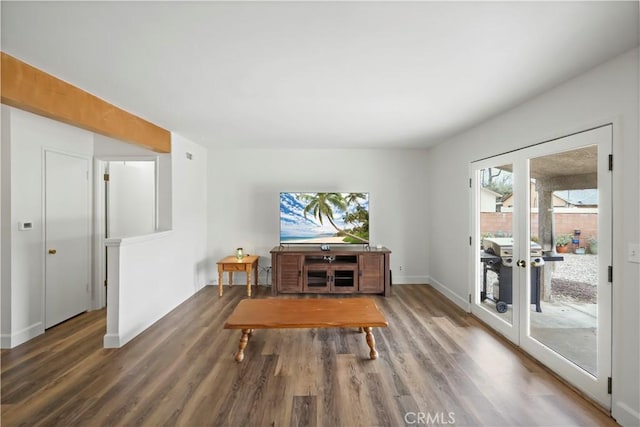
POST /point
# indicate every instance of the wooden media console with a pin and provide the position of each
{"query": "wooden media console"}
(342, 270)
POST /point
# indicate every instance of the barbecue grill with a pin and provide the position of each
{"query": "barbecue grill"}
(497, 256)
(503, 247)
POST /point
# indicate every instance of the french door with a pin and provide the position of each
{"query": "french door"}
(541, 251)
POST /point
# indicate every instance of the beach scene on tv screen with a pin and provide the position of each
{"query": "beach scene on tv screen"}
(324, 218)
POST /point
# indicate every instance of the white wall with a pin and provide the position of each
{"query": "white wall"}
(5, 230)
(189, 201)
(28, 136)
(244, 199)
(151, 275)
(607, 93)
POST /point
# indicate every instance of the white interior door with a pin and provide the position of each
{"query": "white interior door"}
(556, 306)
(67, 237)
(131, 198)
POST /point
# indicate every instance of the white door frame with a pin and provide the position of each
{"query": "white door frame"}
(518, 332)
(100, 272)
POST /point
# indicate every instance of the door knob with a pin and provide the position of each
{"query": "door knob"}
(521, 263)
(52, 251)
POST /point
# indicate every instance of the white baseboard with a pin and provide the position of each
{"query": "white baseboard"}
(624, 415)
(111, 341)
(457, 299)
(5, 341)
(408, 280)
(119, 340)
(20, 337)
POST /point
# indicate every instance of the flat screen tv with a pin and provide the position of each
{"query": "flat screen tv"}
(324, 218)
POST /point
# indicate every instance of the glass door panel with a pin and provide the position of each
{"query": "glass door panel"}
(564, 220)
(569, 214)
(493, 256)
(316, 278)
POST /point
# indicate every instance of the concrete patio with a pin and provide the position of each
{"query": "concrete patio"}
(568, 321)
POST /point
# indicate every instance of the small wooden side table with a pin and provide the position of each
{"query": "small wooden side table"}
(230, 264)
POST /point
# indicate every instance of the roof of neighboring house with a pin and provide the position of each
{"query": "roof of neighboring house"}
(493, 193)
(572, 197)
(579, 197)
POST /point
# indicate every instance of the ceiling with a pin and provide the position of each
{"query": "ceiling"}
(317, 74)
(573, 163)
(581, 162)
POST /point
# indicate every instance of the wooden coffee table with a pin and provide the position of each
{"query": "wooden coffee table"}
(283, 313)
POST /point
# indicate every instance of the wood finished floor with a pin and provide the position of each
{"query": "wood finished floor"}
(434, 361)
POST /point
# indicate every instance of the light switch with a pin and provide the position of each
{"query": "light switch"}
(634, 252)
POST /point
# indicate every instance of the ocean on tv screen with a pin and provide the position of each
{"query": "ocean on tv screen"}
(324, 218)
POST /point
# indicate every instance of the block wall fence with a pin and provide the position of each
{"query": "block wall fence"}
(499, 223)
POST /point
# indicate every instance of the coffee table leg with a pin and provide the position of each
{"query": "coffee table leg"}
(244, 339)
(373, 354)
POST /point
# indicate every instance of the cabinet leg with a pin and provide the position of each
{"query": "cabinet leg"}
(373, 354)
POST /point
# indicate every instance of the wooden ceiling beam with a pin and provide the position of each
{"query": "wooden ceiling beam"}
(30, 89)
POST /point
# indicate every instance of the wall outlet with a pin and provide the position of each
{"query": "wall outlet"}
(400, 268)
(634, 252)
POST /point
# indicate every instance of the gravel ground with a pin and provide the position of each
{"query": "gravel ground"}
(575, 278)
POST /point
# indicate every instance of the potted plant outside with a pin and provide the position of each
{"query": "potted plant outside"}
(593, 245)
(562, 243)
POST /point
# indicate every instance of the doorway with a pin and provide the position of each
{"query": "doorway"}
(542, 223)
(126, 204)
(67, 236)
(130, 197)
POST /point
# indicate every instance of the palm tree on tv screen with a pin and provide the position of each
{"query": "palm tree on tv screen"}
(322, 206)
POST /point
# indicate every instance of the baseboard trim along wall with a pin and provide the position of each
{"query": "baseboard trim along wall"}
(625, 415)
(408, 280)
(458, 300)
(15, 339)
(111, 341)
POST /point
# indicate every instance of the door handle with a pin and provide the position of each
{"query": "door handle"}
(521, 263)
(52, 251)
